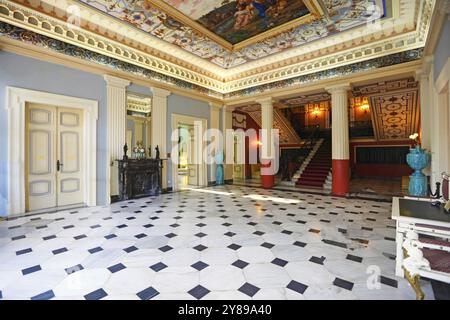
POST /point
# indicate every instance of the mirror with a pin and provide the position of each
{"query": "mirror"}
(138, 134)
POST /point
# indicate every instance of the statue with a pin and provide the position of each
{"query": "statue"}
(219, 169)
(157, 152)
(125, 150)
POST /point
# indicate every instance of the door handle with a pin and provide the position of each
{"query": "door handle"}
(58, 165)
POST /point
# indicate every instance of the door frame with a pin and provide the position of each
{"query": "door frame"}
(240, 135)
(16, 99)
(202, 172)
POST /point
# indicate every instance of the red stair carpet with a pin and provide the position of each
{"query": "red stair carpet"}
(316, 173)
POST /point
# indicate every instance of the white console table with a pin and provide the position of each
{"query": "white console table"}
(417, 222)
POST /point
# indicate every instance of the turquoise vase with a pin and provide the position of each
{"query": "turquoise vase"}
(418, 159)
(219, 169)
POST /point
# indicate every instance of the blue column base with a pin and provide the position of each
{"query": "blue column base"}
(418, 185)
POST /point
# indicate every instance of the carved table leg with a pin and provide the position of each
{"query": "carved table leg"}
(414, 281)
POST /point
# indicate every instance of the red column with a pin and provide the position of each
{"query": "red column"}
(340, 139)
(341, 177)
(267, 181)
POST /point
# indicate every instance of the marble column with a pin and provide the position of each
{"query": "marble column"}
(268, 150)
(227, 125)
(340, 139)
(159, 128)
(116, 132)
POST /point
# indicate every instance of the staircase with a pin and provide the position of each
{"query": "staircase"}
(317, 171)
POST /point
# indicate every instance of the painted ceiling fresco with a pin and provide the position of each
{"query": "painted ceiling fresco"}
(342, 15)
(236, 21)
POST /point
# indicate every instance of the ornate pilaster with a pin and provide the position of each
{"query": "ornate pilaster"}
(159, 127)
(340, 138)
(227, 125)
(214, 124)
(423, 76)
(117, 117)
(268, 149)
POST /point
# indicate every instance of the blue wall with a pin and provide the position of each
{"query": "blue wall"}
(28, 73)
(134, 88)
(188, 107)
(442, 52)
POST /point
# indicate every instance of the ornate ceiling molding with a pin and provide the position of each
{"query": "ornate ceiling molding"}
(305, 99)
(29, 37)
(327, 74)
(395, 116)
(385, 86)
(312, 5)
(58, 28)
(316, 57)
(157, 25)
(343, 58)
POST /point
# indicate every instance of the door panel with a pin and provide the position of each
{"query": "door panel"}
(69, 177)
(41, 152)
(69, 152)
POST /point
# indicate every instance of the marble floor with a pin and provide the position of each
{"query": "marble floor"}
(227, 242)
(388, 187)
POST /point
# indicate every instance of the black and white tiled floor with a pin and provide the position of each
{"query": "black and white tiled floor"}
(226, 242)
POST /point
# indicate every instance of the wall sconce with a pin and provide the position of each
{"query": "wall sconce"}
(314, 109)
(361, 103)
(365, 105)
(365, 108)
(316, 112)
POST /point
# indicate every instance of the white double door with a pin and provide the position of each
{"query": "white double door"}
(54, 153)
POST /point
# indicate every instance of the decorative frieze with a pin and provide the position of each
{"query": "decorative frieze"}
(385, 61)
(58, 46)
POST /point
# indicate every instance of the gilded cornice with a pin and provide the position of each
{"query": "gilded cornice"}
(337, 51)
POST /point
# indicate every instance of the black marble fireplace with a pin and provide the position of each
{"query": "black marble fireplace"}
(139, 178)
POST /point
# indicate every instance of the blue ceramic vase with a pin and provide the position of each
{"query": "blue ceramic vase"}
(418, 159)
(219, 169)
